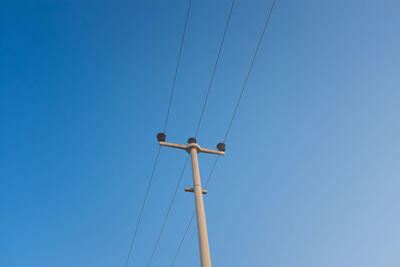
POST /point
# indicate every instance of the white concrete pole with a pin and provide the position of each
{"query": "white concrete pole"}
(204, 248)
(193, 149)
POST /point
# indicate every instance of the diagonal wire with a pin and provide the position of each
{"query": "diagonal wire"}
(229, 127)
(177, 65)
(250, 69)
(141, 210)
(132, 243)
(215, 68)
(169, 210)
(198, 128)
(183, 238)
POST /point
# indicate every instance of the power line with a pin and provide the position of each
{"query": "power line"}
(215, 68)
(169, 210)
(198, 128)
(183, 238)
(250, 69)
(143, 205)
(229, 127)
(177, 65)
(159, 149)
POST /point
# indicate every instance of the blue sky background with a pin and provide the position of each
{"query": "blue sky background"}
(311, 174)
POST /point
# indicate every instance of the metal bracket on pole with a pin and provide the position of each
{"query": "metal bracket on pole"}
(191, 190)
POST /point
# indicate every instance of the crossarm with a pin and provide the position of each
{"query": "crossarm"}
(211, 151)
(190, 146)
(173, 145)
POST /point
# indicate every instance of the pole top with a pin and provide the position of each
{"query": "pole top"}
(221, 147)
(192, 140)
(161, 137)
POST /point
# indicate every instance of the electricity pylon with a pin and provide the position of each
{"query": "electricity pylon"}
(193, 149)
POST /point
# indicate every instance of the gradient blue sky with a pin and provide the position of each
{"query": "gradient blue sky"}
(312, 172)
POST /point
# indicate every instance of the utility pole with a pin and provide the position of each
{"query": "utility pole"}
(193, 149)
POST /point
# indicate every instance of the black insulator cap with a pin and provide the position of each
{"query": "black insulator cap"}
(192, 140)
(221, 147)
(161, 137)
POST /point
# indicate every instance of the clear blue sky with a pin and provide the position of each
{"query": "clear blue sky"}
(312, 172)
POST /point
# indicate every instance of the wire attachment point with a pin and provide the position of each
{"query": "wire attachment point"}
(161, 137)
(221, 147)
(191, 190)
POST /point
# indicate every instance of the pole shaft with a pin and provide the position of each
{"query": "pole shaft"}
(204, 248)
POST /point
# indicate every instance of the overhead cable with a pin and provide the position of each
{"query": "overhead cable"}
(215, 68)
(230, 124)
(168, 211)
(177, 66)
(132, 243)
